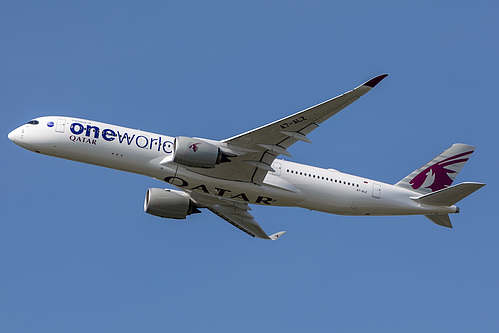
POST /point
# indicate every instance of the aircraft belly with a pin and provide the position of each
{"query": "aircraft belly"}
(249, 193)
(358, 201)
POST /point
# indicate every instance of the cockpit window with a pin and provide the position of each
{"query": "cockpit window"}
(33, 122)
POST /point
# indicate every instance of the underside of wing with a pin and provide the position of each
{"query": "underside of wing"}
(253, 152)
(236, 213)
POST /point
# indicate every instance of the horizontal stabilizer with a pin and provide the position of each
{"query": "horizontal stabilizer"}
(450, 195)
(442, 220)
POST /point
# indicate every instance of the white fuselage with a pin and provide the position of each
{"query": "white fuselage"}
(292, 184)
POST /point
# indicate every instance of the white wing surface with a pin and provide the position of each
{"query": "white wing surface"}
(234, 212)
(256, 150)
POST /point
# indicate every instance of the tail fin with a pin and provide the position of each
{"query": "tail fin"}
(440, 172)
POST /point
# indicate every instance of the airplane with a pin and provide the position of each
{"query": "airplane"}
(228, 176)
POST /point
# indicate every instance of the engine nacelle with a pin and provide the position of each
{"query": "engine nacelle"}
(196, 153)
(170, 204)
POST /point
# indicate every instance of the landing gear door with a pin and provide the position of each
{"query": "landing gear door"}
(60, 126)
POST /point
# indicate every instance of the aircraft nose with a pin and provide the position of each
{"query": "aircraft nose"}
(13, 136)
(16, 135)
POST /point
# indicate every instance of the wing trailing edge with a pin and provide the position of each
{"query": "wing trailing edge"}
(234, 212)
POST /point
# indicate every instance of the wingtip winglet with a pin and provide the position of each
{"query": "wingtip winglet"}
(375, 80)
(277, 235)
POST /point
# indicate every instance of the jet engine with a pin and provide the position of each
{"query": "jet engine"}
(170, 204)
(197, 153)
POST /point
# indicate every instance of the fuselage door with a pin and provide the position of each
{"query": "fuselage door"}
(376, 191)
(277, 168)
(60, 126)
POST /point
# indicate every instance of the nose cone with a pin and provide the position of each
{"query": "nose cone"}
(15, 135)
(18, 136)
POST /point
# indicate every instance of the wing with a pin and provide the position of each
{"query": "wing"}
(236, 213)
(256, 150)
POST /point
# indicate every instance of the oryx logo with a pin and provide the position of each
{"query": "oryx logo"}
(194, 146)
(436, 177)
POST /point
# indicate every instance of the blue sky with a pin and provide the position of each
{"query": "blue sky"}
(78, 253)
